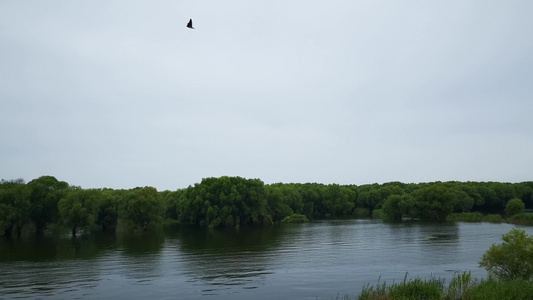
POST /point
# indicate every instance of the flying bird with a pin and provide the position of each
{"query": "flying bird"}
(189, 25)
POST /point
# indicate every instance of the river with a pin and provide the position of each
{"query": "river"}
(318, 260)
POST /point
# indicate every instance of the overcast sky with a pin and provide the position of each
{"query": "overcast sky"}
(121, 94)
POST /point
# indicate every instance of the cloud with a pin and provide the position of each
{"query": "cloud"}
(122, 94)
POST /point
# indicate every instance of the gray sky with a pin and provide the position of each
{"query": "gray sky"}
(121, 94)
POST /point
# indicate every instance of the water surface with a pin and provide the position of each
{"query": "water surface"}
(292, 261)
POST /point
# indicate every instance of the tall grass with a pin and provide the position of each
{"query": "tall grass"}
(521, 219)
(474, 217)
(492, 289)
(466, 217)
(413, 289)
(461, 287)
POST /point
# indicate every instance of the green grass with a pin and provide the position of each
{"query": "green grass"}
(475, 217)
(461, 287)
(521, 219)
(413, 289)
(492, 289)
(466, 217)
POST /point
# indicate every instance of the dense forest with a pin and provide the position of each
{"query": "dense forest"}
(235, 201)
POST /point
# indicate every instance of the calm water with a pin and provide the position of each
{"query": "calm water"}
(302, 261)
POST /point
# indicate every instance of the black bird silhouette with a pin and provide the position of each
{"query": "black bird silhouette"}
(189, 25)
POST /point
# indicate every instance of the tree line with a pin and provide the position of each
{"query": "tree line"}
(236, 201)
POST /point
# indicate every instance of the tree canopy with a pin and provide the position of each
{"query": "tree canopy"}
(235, 201)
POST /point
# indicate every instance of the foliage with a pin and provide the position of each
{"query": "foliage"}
(235, 201)
(142, 207)
(44, 197)
(392, 208)
(225, 201)
(514, 206)
(14, 205)
(108, 209)
(512, 259)
(377, 214)
(398, 205)
(295, 218)
(339, 200)
(435, 202)
(171, 201)
(78, 208)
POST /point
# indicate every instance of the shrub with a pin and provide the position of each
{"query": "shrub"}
(295, 218)
(514, 207)
(513, 259)
(377, 214)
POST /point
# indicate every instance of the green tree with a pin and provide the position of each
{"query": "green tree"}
(435, 202)
(108, 208)
(142, 207)
(339, 200)
(512, 259)
(312, 198)
(463, 201)
(524, 191)
(78, 208)
(392, 208)
(224, 201)
(45, 194)
(14, 205)
(171, 200)
(514, 206)
(277, 208)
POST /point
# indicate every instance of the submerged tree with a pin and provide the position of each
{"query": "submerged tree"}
(44, 197)
(142, 207)
(392, 208)
(78, 208)
(108, 207)
(14, 205)
(435, 202)
(224, 201)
